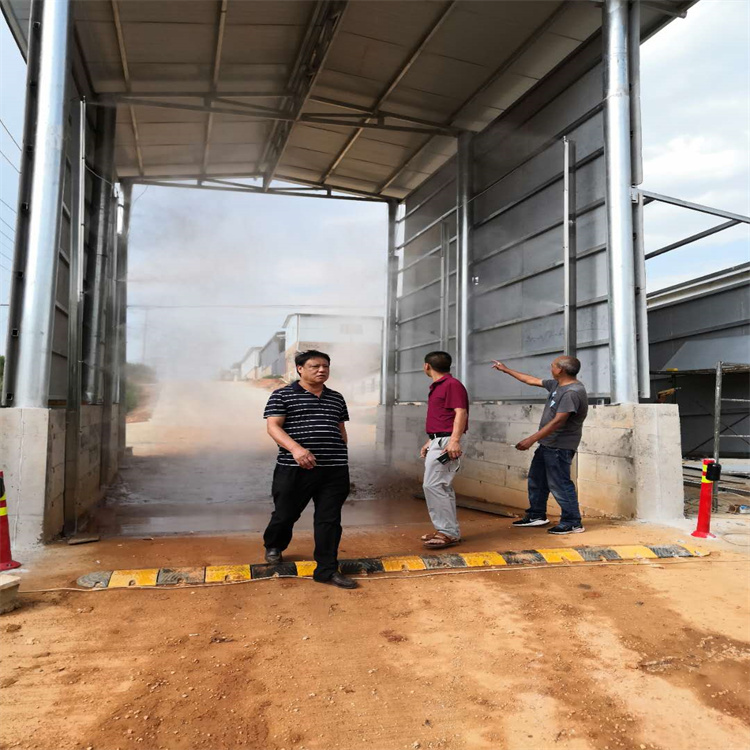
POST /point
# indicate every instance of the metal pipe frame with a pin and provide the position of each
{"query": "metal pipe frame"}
(444, 284)
(101, 207)
(122, 281)
(390, 335)
(463, 253)
(649, 197)
(30, 328)
(569, 248)
(393, 83)
(692, 238)
(75, 327)
(623, 355)
(634, 59)
(641, 302)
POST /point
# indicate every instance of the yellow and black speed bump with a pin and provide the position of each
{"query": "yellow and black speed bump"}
(304, 569)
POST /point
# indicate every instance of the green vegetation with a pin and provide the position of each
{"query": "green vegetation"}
(136, 376)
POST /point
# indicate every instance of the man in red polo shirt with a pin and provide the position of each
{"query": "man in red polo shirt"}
(447, 421)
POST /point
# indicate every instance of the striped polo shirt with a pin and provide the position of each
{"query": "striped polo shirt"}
(311, 421)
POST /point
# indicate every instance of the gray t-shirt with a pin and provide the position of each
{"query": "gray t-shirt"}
(571, 399)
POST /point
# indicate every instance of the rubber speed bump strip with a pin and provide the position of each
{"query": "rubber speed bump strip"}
(230, 573)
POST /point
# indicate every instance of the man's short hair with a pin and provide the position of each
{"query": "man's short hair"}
(439, 361)
(302, 357)
(569, 365)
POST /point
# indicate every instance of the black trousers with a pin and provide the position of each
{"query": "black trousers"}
(293, 488)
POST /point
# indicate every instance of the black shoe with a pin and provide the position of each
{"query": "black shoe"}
(566, 528)
(341, 581)
(273, 556)
(528, 520)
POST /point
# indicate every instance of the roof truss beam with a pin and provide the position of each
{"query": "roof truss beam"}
(402, 71)
(126, 76)
(521, 50)
(321, 32)
(264, 114)
(221, 21)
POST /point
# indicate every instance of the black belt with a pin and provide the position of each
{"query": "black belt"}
(434, 435)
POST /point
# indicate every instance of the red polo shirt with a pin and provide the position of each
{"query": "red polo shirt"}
(446, 395)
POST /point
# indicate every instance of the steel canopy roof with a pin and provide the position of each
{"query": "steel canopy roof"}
(365, 95)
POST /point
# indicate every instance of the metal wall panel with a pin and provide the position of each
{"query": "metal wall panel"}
(516, 302)
(430, 216)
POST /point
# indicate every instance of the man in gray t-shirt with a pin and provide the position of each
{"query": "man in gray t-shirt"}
(558, 436)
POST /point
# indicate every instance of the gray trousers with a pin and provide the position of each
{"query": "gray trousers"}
(438, 489)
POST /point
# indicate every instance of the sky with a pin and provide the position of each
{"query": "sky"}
(203, 248)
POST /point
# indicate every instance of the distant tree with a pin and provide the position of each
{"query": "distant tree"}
(136, 372)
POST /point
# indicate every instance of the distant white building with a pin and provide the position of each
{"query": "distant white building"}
(353, 342)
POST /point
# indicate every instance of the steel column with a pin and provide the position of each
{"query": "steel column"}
(101, 207)
(463, 253)
(623, 357)
(122, 282)
(717, 428)
(75, 328)
(40, 207)
(388, 364)
(569, 248)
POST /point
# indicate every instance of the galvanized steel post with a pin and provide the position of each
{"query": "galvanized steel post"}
(388, 364)
(570, 302)
(623, 356)
(75, 328)
(445, 246)
(36, 260)
(122, 282)
(101, 206)
(463, 245)
(718, 385)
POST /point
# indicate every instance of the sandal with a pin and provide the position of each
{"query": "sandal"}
(440, 541)
(427, 537)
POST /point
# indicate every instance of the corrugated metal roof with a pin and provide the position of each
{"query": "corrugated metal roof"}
(424, 65)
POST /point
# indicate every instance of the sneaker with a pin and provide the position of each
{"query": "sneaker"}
(566, 528)
(528, 520)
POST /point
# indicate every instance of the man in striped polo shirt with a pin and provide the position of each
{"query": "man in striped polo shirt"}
(307, 421)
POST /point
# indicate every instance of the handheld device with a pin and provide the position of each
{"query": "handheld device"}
(443, 458)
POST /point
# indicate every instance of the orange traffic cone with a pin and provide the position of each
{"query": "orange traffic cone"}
(6, 560)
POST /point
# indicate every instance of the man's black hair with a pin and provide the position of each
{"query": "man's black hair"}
(301, 357)
(439, 361)
(569, 365)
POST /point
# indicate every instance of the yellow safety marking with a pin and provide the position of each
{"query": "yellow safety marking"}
(561, 554)
(694, 551)
(306, 567)
(3, 511)
(706, 481)
(408, 562)
(481, 559)
(125, 578)
(3, 498)
(630, 552)
(222, 573)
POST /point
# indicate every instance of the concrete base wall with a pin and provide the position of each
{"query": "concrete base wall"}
(628, 466)
(32, 457)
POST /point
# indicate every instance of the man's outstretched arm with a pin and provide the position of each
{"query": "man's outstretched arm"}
(527, 379)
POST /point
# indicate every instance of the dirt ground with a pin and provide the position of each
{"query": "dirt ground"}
(654, 655)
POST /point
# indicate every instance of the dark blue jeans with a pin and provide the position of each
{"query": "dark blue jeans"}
(550, 472)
